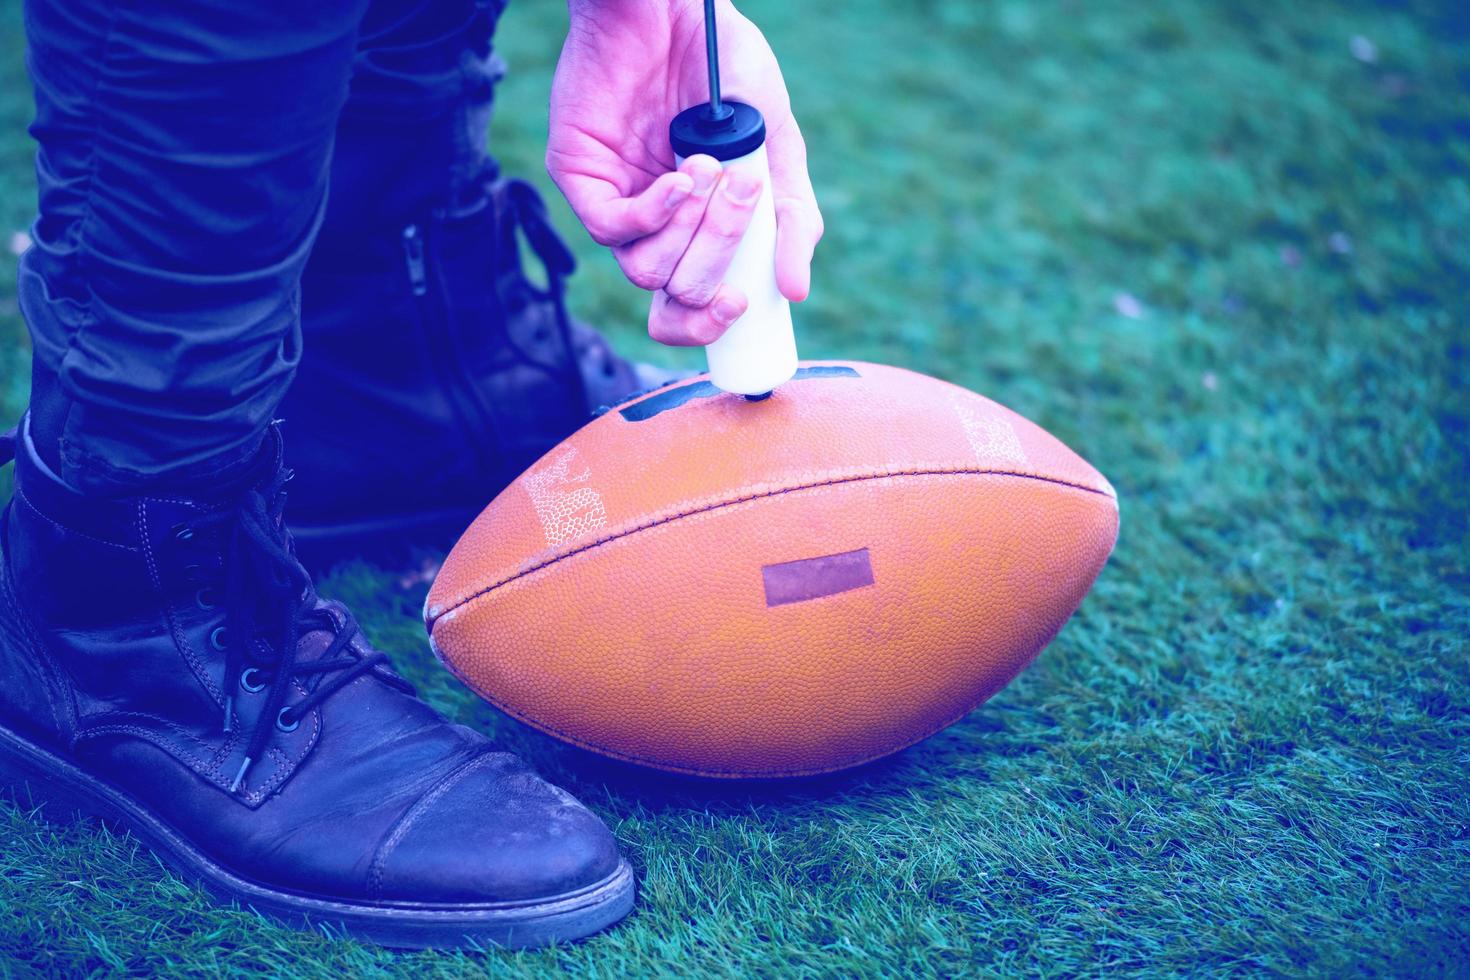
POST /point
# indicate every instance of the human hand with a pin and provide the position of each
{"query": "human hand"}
(627, 68)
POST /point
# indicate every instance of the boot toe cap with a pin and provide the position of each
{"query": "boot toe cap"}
(493, 831)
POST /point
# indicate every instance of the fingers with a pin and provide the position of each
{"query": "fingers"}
(678, 236)
(699, 271)
(798, 219)
(798, 229)
(677, 325)
(614, 220)
(650, 261)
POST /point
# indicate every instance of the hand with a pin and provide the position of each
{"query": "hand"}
(627, 68)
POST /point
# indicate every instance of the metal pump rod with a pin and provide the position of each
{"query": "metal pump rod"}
(718, 111)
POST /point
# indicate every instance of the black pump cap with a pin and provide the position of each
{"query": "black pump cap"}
(740, 132)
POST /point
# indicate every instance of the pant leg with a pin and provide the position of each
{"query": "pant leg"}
(413, 135)
(182, 165)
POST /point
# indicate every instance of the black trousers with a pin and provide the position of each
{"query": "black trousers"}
(186, 153)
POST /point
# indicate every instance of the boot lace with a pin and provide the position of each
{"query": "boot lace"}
(519, 211)
(270, 603)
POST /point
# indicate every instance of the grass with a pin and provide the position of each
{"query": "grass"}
(1221, 249)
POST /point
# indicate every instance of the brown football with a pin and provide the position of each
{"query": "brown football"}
(706, 584)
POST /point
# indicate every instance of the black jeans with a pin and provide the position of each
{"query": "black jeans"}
(186, 148)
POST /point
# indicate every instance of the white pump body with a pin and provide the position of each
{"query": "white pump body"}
(758, 352)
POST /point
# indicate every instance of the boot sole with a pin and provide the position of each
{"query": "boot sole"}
(34, 777)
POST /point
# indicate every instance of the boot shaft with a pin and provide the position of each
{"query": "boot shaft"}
(116, 626)
(80, 562)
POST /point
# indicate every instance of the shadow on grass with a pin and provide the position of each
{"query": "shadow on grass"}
(932, 761)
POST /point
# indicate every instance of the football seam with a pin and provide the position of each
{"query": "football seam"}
(670, 518)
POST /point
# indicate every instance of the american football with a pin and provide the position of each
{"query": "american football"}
(710, 585)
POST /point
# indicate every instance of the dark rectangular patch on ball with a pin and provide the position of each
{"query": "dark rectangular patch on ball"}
(812, 578)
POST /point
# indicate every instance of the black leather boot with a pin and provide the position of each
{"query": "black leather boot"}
(168, 666)
(432, 338)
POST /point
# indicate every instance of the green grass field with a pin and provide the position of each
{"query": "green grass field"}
(1221, 249)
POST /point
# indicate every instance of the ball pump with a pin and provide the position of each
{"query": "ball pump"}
(758, 351)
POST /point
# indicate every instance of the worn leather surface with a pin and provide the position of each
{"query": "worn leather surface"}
(106, 659)
(614, 595)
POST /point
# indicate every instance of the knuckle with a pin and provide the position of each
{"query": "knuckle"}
(666, 322)
(803, 212)
(658, 327)
(644, 221)
(675, 334)
(704, 331)
(694, 293)
(600, 234)
(729, 228)
(645, 276)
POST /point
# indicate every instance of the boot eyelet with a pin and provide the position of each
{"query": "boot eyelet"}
(248, 681)
(183, 532)
(283, 724)
(193, 573)
(203, 598)
(217, 638)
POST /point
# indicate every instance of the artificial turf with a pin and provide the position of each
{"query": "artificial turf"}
(1221, 249)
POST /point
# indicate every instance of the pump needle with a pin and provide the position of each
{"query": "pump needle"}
(718, 111)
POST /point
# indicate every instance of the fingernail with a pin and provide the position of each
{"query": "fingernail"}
(676, 195)
(726, 310)
(742, 190)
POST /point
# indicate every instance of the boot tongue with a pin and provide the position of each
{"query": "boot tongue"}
(309, 649)
(273, 585)
(316, 638)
